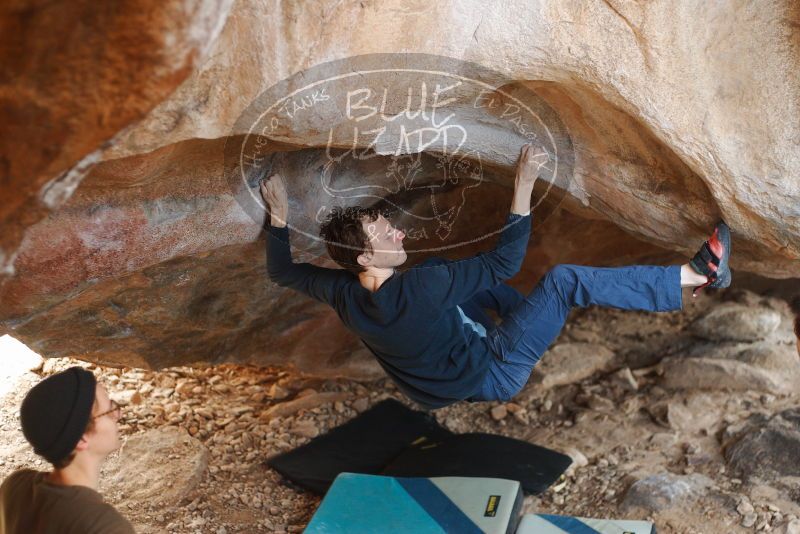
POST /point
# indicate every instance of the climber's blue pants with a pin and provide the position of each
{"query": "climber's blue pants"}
(530, 324)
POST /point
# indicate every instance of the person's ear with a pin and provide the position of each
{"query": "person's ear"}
(364, 259)
(82, 445)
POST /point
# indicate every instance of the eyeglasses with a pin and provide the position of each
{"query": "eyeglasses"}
(116, 410)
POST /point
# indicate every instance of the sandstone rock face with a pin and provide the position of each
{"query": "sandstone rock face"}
(769, 450)
(697, 412)
(665, 118)
(746, 345)
(569, 363)
(664, 491)
(74, 76)
(709, 373)
(665, 114)
(737, 322)
(179, 459)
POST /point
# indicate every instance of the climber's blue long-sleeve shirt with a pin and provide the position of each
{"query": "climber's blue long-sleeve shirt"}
(411, 323)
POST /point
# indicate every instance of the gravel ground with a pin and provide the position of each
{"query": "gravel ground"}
(616, 433)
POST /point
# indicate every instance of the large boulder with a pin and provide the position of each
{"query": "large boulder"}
(150, 255)
(75, 75)
(743, 344)
(769, 450)
(664, 491)
(569, 363)
(672, 124)
(156, 469)
(737, 322)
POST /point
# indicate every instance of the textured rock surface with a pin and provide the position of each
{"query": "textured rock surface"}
(737, 322)
(74, 76)
(179, 459)
(664, 491)
(749, 345)
(696, 412)
(664, 104)
(677, 115)
(770, 450)
(569, 363)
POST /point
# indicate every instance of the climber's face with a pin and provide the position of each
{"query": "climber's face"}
(386, 242)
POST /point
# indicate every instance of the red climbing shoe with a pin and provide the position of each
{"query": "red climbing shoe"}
(712, 259)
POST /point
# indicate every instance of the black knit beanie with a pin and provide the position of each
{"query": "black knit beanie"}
(55, 412)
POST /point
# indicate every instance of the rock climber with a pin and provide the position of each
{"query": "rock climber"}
(427, 326)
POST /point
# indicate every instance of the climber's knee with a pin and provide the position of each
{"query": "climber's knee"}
(562, 275)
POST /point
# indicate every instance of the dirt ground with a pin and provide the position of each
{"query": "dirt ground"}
(616, 432)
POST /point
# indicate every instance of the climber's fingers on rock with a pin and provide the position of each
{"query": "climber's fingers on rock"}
(273, 188)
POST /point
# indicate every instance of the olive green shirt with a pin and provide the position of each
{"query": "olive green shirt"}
(29, 504)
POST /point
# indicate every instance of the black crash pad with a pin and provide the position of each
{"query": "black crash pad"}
(394, 440)
(365, 444)
(482, 455)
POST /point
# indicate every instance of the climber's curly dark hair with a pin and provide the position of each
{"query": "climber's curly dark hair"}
(344, 234)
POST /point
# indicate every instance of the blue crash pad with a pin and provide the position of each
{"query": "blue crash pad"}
(359, 503)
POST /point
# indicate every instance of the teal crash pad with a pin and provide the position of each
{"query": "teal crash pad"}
(367, 504)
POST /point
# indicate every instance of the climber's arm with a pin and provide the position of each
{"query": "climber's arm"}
(449, 283)
(317, 282)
